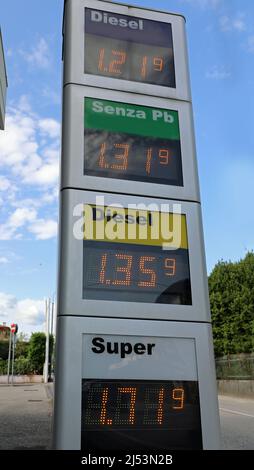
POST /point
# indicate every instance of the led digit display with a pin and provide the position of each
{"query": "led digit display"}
(135, 273)
(132, 142)
(140, 415)
(121, 46)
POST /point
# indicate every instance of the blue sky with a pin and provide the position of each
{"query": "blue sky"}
(221, 55)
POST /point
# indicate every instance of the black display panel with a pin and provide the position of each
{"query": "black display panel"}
(125, 156)
(135, 273)
(129, 48)
(135, 415)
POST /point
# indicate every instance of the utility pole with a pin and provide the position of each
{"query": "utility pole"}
(13, 357)
(9, 357)
(51, 333)
(46, 364)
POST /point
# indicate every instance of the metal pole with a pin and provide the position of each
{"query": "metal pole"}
(51, 333)
(13, 357)
(46, 365)
(52, 317)
(9, 357)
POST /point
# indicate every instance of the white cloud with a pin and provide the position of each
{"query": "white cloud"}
(5, 184)
(232, 24)
(15, 221)
(30, 147)
(30, 311)
(4, 260)
(39, 55)
(29, 162)
(44, 229)
(6, 304)
(24, 218)
(218, 73)
(50, 127)
(26, 311)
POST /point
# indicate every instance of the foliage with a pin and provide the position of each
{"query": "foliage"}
(36, 351)
(21, 348)
(231, 287)
(4, 349)
(3, 367)
(29, 356)
(22, 366)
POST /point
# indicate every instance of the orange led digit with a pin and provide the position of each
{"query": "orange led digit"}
(101, 59)
(160, 407)
(148, 160)
(158, 63)
(103, 406)
(143, 269)
(121, 60)
(123, 157)
(103, 266)
(178, 395)
(170, 266)
(164, 156)
(144, 67)
(133, 393)
(102, 161)
(124, 269)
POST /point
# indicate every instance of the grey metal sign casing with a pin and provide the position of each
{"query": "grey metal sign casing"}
(74, 49)
(185, 340)
(72, 173)
(192, 360)
(3, 84)
(70, 300)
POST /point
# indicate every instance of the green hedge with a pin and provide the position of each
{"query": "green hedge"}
(231, 288)
(22, 366)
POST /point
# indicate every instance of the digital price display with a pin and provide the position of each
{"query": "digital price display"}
(134, 273)
(140, 415)
(129, 48)
(132, 142)
(124, 259)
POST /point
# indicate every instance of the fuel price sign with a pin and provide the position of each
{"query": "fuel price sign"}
(121, 46)
(128, 141)
(140, 415)
(134, 269)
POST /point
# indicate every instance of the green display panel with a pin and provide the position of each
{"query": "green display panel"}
(133, 142)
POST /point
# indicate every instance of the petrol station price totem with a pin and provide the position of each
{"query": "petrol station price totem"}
(135, 366)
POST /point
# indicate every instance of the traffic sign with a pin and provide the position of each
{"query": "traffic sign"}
(14, 328)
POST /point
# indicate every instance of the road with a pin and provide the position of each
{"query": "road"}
(26, 419)
(237, 423)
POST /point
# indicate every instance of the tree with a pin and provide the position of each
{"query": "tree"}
(36, 351)
(22, 345)
(231, 288)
